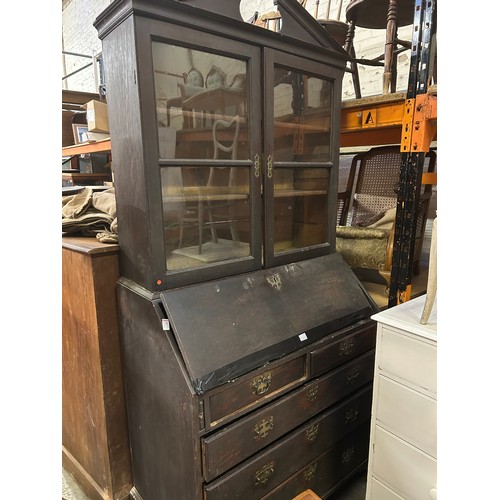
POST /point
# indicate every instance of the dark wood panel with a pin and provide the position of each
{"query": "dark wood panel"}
(266, 383)
(328, 472)
(275, 464)
(237, 442)
(336, 353)
(267, 314)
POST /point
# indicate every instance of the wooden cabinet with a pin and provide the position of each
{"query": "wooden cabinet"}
(247, 341)
(225, 139)
(271, 432)
(94, 426)
(403, 456)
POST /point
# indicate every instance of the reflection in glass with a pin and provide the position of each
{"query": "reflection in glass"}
(193, 89)
(300, 207)
(302, 117)
(205, 215)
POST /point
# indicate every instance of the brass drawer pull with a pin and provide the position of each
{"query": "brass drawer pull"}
(351, 415)
(346, 347)
(263, 475)
(261, 384)
(263, 428)
(347, 455)
(312, 432)
(312, 392)
(352, 375)
(310, 471)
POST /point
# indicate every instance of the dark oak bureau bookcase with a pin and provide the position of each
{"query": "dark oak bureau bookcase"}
(246, 340)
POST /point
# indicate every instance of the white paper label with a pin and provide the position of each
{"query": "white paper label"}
(165, 323)
(302, 337)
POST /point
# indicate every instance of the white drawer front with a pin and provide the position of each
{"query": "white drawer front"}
(409, 472)
(409, 414)
(408, 359)
(381, 492)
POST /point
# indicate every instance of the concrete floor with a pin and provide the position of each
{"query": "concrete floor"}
(70, 488)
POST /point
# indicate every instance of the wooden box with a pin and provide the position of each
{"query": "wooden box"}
(95, 444)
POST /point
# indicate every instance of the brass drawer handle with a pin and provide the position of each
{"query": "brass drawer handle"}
(310, 471)
(261, 384)
(346, 347)
(312, 392)
(312, 432)
(352, 375)
(263, 428)
(263, 475)
(351, 415)
(347, 455)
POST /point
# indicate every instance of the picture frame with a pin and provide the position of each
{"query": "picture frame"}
(78, 130)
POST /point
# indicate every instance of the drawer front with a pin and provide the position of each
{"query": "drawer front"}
(259, 475)
(397, 406)
(328, 470)
(336, 353)
(235, 443)
(410, 360)
(407, 470)
(378, 491)
(247, 392)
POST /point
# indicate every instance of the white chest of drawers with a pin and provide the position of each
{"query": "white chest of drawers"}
(403, 459)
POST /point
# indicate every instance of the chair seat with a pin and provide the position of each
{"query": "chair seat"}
(372, 14)
(361, 249)
(336, 29)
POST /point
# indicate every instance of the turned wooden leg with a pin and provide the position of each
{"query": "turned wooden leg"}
(390, 43)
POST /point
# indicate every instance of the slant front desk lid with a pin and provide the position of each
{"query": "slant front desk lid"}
(226, 328)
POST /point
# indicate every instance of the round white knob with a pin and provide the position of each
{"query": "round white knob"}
(433, 494)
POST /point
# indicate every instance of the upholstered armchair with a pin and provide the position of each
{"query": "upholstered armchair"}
(367, 213)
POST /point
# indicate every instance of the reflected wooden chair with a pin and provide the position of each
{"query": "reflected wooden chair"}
(365, 234)
(270, 21)
(214, 204)
(228, 204)
(338, 30)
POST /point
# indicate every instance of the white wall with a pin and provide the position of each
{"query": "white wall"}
(79, 35)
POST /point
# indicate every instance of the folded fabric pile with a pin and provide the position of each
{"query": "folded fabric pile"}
(91, 214)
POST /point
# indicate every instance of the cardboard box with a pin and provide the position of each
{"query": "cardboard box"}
(95, 136)
(97, 116)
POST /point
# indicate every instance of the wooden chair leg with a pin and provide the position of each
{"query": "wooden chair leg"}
(432, 278)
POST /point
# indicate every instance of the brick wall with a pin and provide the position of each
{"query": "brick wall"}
(80, 36)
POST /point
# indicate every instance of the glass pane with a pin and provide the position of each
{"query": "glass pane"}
(193, 89)
(302, 117)
(205, 215)
(300, 207)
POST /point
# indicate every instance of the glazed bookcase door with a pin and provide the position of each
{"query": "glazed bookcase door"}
(206, 139)
(300, 160)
